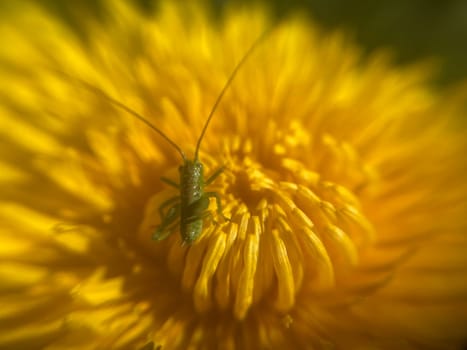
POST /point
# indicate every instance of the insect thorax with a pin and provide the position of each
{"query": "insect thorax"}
(191, 181)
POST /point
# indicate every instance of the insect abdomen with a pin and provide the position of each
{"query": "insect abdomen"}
(191, 231)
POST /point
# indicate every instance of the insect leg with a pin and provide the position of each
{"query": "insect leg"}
(218, 202)
(165, 204)
(170, 217)
(166, 226)
(170, 182)
(173, 227)
(199, 206)
(202, 216)
(213, 176)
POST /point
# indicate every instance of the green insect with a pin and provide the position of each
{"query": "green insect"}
(188, 209)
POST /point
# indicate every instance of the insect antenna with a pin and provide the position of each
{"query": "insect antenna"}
(141, 118)
(226, 85)
(125, 108)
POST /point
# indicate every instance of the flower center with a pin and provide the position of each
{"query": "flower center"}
(288, 228)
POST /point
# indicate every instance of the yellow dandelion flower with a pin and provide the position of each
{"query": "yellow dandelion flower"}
(344, 180)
